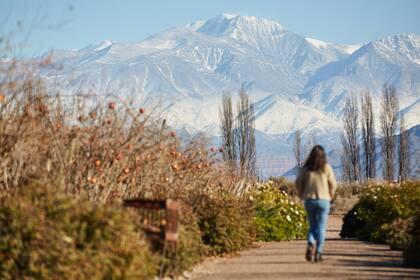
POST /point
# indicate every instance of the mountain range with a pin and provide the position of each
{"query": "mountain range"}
(294, 82)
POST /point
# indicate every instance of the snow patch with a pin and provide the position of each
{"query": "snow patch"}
(317, 43)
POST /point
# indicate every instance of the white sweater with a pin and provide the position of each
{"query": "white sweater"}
(316, 184)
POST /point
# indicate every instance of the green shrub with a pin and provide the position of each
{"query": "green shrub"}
(46, 235)
(388, 214)
(379, 206)
(277, 215)
(397, 234)
(412, 252)
(225, 221)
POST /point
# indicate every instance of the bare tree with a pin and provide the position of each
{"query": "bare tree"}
(351, 149)
(388, 121)
(403, 153)
(245, 136)
(368, 135)
(309, 144)
(298, 149)
(346, 168)
(228, 130)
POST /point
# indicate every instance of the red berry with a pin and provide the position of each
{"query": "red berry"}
(141, 110)
(175, 167)
(119, 156)
(173, 133)
(112, 105)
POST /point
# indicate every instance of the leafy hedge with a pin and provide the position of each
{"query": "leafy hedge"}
(225, 221)
(277, 215)
(45, 235)
(386, 214)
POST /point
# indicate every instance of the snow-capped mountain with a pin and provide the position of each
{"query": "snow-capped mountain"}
(393, 60)
(294, 82)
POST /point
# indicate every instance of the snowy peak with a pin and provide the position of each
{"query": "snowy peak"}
(237, 26)
(96, 47)
(392, 60)
(404, 44)
(231, 51)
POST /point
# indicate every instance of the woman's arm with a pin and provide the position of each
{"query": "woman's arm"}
(300, 183)
(332, 182)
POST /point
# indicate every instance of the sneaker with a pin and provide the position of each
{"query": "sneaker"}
(318, 257)
(309, 252)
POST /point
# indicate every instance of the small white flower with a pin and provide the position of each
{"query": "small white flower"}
(67, 239)
(288, 218)
(292, 203)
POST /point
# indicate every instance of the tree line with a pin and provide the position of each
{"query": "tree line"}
(358, 139)
(359, 156)
(359, 159)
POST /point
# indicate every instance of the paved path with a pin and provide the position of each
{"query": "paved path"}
(344, 259)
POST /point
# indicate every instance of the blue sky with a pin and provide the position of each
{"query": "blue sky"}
(77, 23)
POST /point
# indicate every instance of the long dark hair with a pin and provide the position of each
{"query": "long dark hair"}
(317, 159)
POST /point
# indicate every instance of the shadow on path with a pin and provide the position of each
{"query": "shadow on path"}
(344, 259)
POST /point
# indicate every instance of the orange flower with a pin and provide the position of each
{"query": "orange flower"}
(2, 98)
(97, 163)
(126, 170)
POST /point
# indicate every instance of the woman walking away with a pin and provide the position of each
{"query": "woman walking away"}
(316, 185)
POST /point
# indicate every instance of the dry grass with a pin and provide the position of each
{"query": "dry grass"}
(105, 150)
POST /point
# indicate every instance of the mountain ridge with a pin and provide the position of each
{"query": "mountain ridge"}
(295, 82)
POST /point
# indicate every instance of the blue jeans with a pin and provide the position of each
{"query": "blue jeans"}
(317, 210)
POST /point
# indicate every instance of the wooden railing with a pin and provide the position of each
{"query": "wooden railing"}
(159, 218)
